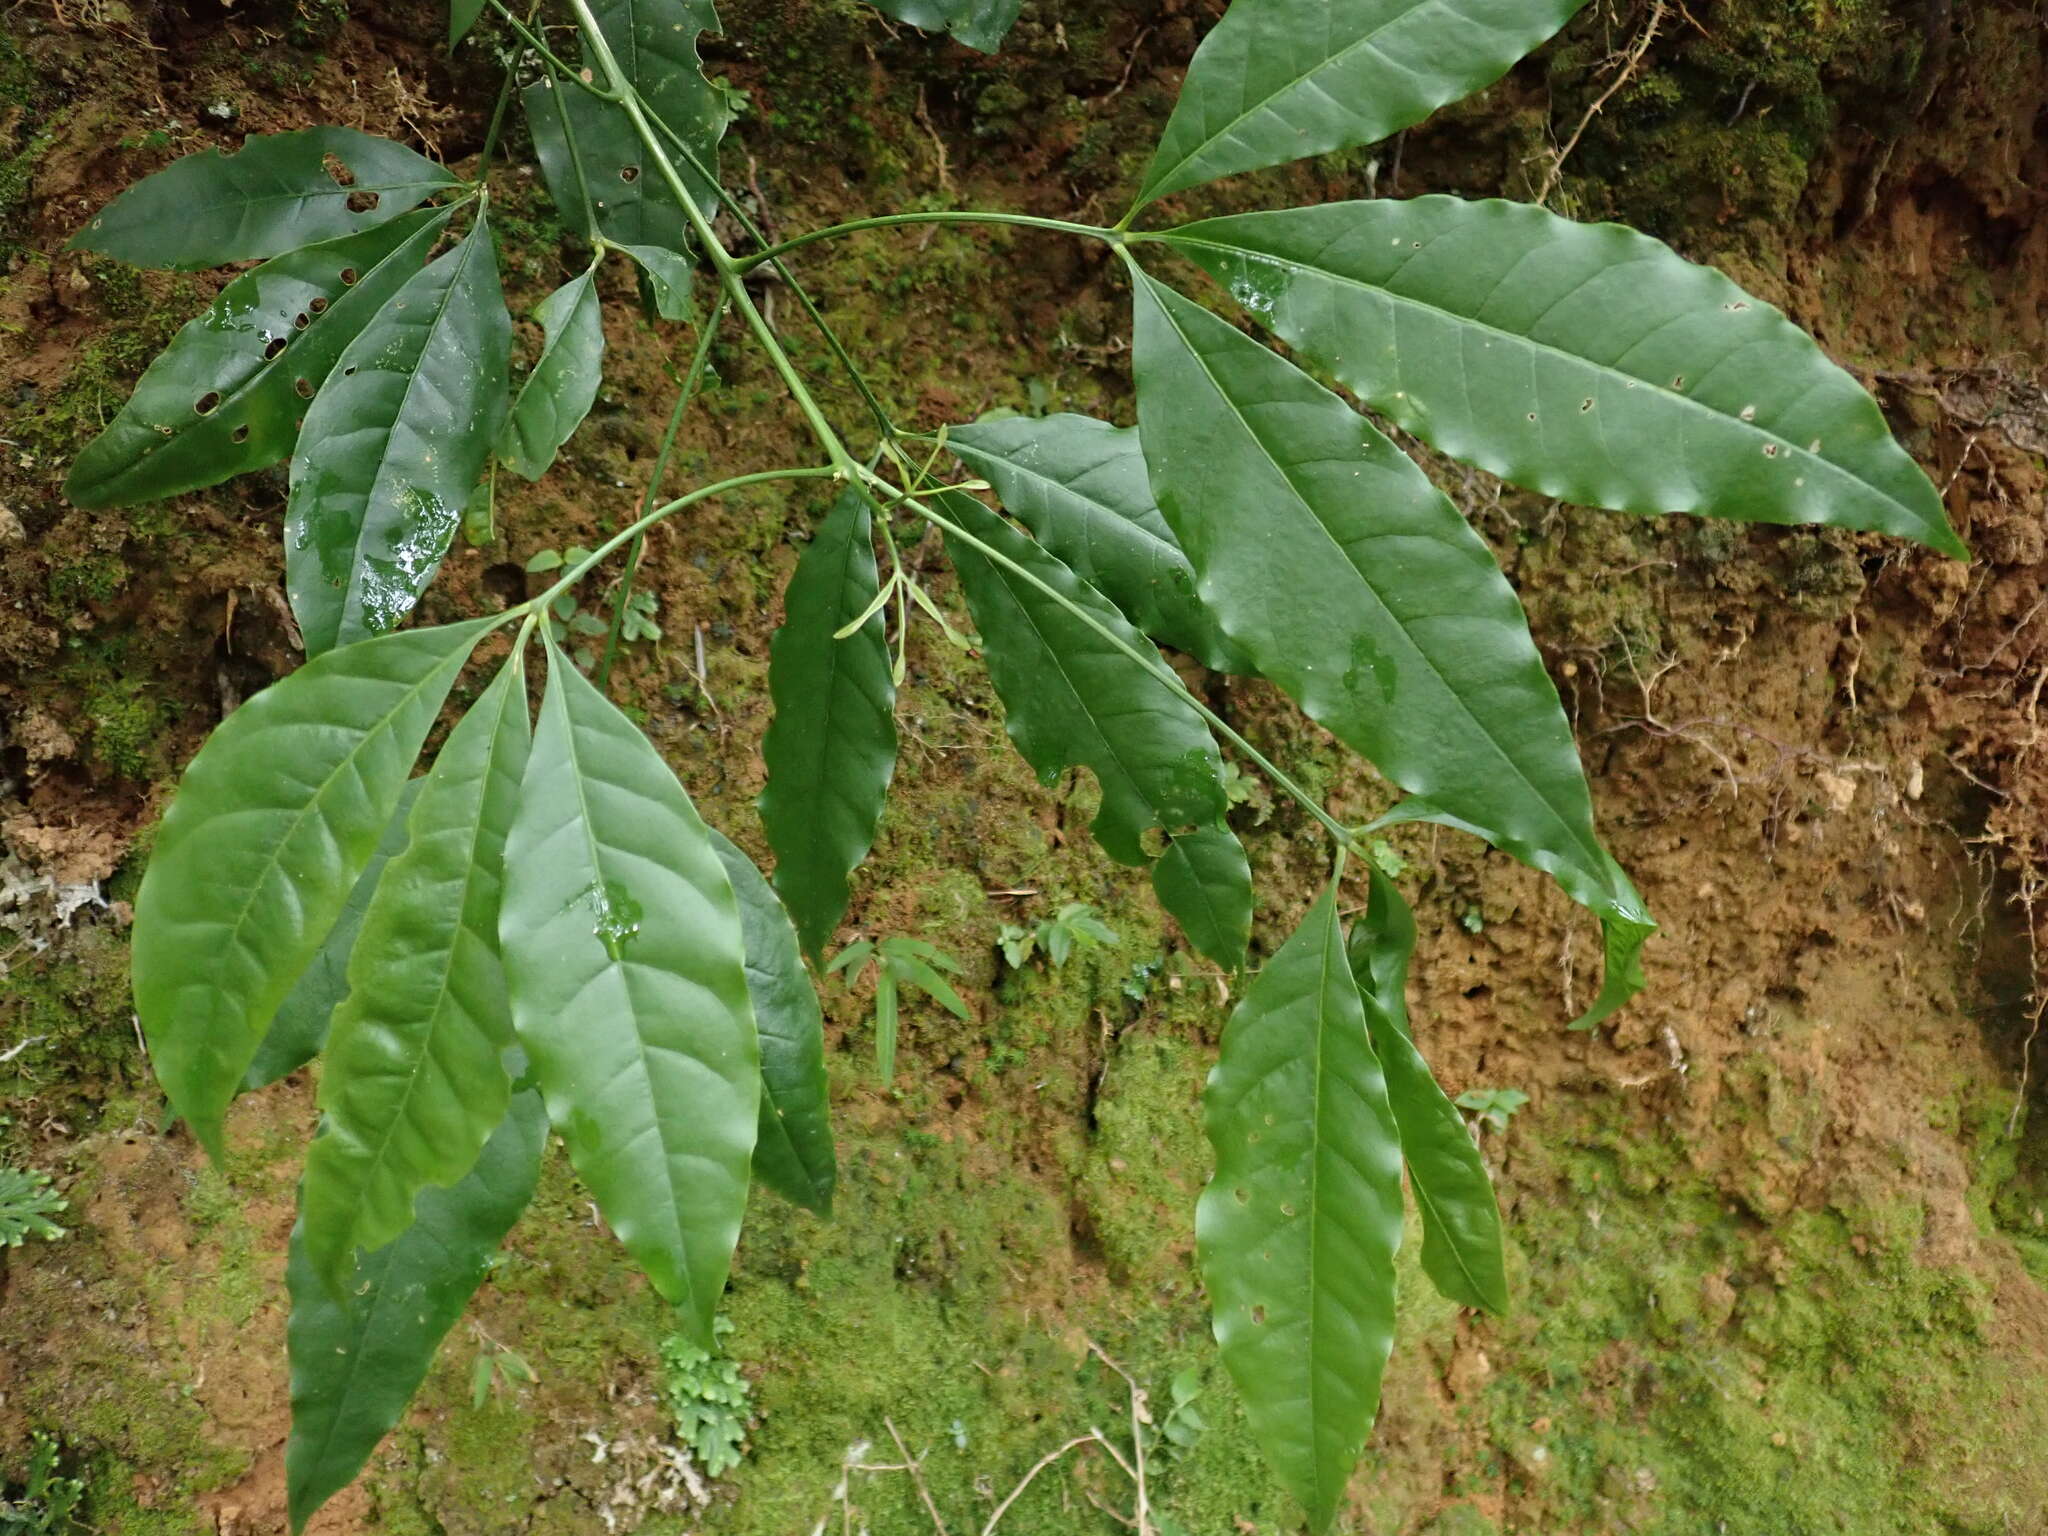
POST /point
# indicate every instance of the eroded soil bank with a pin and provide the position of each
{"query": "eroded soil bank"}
(1778, 1233)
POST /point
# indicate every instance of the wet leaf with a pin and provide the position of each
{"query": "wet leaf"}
(1204, 880)
(299, 1028)
(1297, 1231)
(273, 822)
(980, 24)
(558, 394)
(1276, 80)
(1398, 633)
(1461, 1235)
(1079, 485)
(830, 750)
(357, 1356)
(624, 960)
(411, 1086)
(1071, 698)
(793, 1153)
(393, 446)
(279, 191)
(227, 394)
(1584, 361)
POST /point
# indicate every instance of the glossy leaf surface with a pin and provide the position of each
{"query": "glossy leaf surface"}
(299, 1028)
(393, 446)
(1297, 1231)
(412, 1087)
(670, 279)
(558, 393)
(275, 194)
(793, 1153)
(1461, 1234)
(227, 394)
(1276, 80)
(1585, 361)
(980, 24)
(1204, 880)
(358, 1356)
(1072, 698)
(273, 823)
(830, 751)
(1398, 632)
(623, 957)
(1079, 485)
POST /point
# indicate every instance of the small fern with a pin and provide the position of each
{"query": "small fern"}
(26, 1205)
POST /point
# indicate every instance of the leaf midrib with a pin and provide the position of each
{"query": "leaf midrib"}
(1328, 61)
(1593, 867)
(1691, 403)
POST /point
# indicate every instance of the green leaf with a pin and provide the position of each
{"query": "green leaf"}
(623, 956)
(393, 446)
(358, 1356)
(279, 191)
(558, 394)
(412, 1088)
(1461, 1234)
(980, 24)
(227, 394)
(1079, 485)
(830, 750)
(885, 1022)
(1399, 633)
(793, 1152)
(670, 278)
(1204, 880)
(1072, 698)
(1297, 1231)
(610, 173)
(272, 825)
(1584, 361)
(462, 15)
(299, 1028)
(1276, 80)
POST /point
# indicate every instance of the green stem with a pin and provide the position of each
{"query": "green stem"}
(668, 509)
(714, 249)
(533, 41)
(886, 221)
(691, 380)
(1151, 662)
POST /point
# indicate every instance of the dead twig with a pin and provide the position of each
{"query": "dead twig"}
(1629, 66)
(915, 1467)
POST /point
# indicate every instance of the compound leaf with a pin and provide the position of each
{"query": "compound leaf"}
(227, 394)
(279, 191)
(624, 961)
(558, 394)
(1585, 361)
(1297, 1231)
(272, 825)
(1276, 80)
(299, 1028)
(1204, 880)
(1461, 1235)
(1079, 485)
(980, 24)
(1399, 632)
(358, 1355)
(793, 1152)
(393, 446)
(831, 748)
(1073, 698)
(412, 1086)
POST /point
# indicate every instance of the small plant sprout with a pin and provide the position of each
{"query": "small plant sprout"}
(27, 1206)
(708, 1400)
(898, 963)
(1491, 1107)
(1074, 927)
